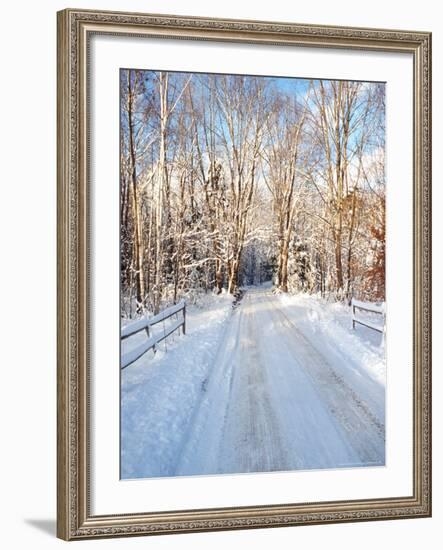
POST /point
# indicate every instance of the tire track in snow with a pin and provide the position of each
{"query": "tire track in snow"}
(365, 430)
(203, 436)
(274, 403)
(251, 432)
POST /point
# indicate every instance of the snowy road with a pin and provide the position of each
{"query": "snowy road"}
(280, 397)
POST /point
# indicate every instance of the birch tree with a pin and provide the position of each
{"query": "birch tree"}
(284, 175)
(230, 179)
(243, 113)
(339, 127)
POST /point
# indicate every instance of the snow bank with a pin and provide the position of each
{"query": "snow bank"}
(331, 322)
(160, 393)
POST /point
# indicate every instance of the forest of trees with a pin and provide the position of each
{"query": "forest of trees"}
(237, 180)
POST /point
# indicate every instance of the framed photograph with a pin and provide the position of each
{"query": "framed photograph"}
(243, 274)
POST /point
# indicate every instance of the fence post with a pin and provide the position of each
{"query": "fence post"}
(353, 316)
(184, 318)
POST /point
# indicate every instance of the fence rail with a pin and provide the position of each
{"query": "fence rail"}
(373, 308)
(145, 324)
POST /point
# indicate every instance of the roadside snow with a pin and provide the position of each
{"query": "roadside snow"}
(331, 324)
(159, 393)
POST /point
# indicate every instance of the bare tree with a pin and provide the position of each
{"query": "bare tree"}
(284, 176)
(226, 179)
(339, 116)
(133, 84)
(243, 114)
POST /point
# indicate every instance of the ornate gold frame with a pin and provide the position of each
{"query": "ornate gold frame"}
(74, 519)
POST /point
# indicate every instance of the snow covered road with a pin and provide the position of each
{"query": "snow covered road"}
(276, 401)
(285, 390)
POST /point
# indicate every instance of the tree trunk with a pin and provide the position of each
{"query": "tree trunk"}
(350, 247)
(138, 243)
(283, 283)
(338, 261)
(162, 184)
(218, 276)
(233, 276)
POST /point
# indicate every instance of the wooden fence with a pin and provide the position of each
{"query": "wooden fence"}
(152, 340)
(373, 308)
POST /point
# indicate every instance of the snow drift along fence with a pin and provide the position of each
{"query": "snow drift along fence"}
(145, 324)
(373, 308)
